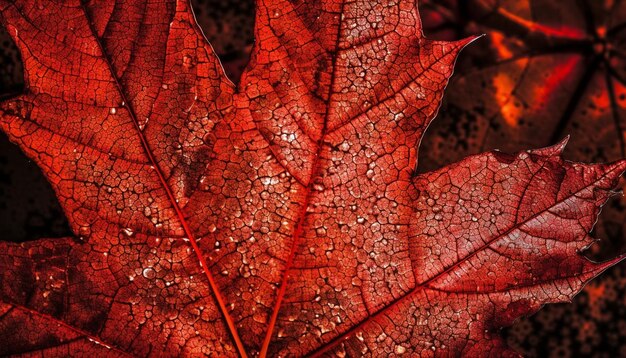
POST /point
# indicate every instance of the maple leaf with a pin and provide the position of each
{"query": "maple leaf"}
(280, 217)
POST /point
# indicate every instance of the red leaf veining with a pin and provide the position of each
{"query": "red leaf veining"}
(281, 217)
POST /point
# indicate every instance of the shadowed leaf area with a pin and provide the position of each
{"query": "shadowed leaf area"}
(285, 215)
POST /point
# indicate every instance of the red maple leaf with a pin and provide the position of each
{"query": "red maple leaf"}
(280, 217)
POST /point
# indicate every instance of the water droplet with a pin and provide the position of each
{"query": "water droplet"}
(84, 231)
(341, 352)
(360, 220)
(260, 318)
(113, 110)
(148, 272)
(188, 61)
(128, 232)
(400, 349)
(204, 183)
(318, 186)
(142, 125)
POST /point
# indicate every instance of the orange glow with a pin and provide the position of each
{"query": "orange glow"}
(504, 88)
(497, 39)
(545, 90)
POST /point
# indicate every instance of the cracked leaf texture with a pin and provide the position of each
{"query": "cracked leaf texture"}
(280, 217)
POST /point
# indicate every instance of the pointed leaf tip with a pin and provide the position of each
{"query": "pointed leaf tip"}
(469, 40)
(462, 43)
(600, 267)
(555, 150)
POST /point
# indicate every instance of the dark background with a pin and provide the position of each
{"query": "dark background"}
(595, 323)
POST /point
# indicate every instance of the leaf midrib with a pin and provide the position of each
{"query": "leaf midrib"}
(309, 192)
(188, 232)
